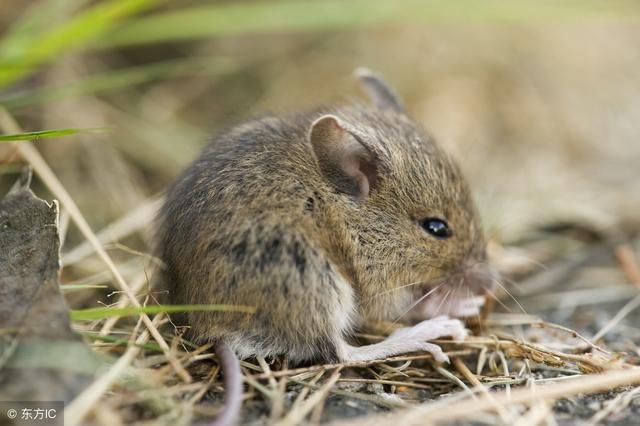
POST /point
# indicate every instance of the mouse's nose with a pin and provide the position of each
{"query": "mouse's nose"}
(480, 276)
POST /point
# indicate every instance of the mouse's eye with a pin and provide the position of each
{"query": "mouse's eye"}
(436, 227)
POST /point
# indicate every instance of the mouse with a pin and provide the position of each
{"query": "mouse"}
(323, 220)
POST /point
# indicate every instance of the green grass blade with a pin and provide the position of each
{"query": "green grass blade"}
(117, 79)
(70, 288)
(250, 17)
(38, 18)
(101, 313)
(20, 59)
(42, 134)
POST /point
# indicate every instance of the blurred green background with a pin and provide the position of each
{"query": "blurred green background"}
(539, 101)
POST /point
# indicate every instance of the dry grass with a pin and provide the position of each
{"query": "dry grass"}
(546, 134)
(170, 393)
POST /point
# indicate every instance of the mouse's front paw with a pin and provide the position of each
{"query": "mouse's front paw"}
(444, 326)
(468, 307)
(457, 307)
(432, 329)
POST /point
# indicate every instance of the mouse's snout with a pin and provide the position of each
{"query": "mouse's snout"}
(461, 294)
(479, 276)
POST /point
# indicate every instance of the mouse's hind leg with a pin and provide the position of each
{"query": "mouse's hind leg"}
(301, 301)
(409, 339)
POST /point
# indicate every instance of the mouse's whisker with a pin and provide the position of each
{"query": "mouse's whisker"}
(454, 295)
(414, 304)
(439, 264)
(444, 299)
(431, 284)
(532, 261)
(395, 289)
(524, 257)
(457, 293)
(509, 294)
(494, 297)
(511, 282)
(505, 279)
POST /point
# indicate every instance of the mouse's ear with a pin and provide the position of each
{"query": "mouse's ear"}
(344, 160)
(381, 94)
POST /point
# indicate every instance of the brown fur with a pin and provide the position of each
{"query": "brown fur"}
(254, 221)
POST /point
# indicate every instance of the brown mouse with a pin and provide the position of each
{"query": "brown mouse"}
(323, 220)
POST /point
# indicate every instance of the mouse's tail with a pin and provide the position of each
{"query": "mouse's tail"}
(232, 385)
